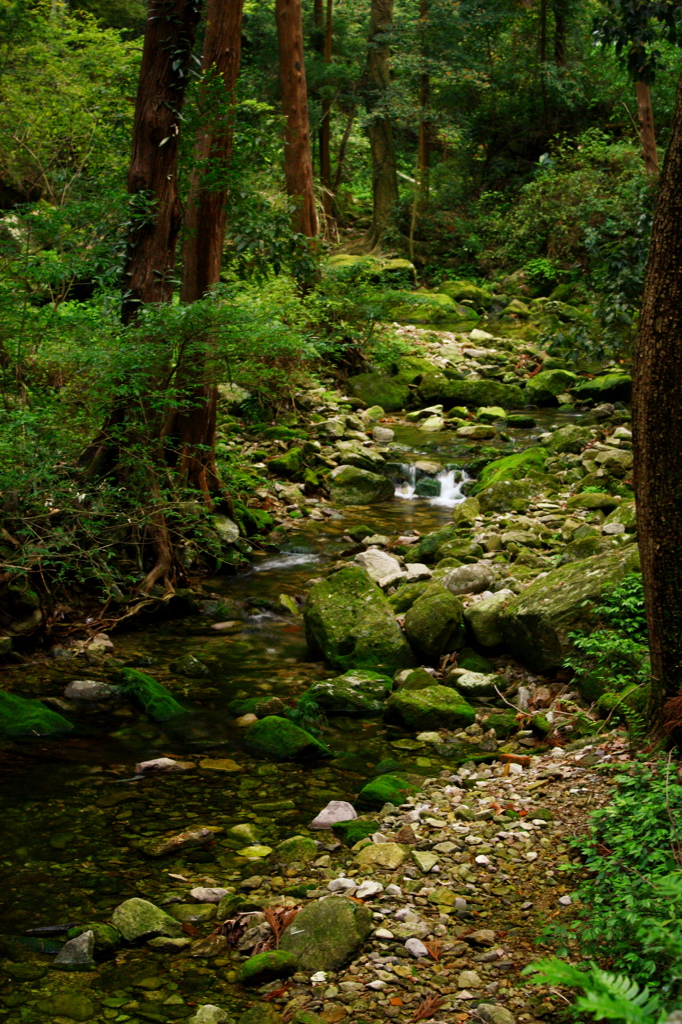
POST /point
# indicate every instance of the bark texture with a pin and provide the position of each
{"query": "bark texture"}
(190, 430)
(325, 134)
(156, 215)
(646, 127)
(298, 165)
(380, 127)
(657, 430)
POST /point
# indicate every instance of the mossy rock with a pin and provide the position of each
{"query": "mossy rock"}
(359, 692)
(427, 550)
(512, 467)
(436, 707)
(626, 515)
(467, 512)
(259, 706)
(411, 369)
(107, 939)
(349, 622)
(428, 487)
(275, 963)
(543, 388)
(287, 465)
(437, 388)
(520, 421)
(390, 393)
(459, 290)
(405, 596)
(414, 679)
(296, 849)
(385, 789)
(352, 832)
(610, 387)
(471, 661)
(422, 307)
(570, 438)
(536, 623)
(351, 485)
(504, 722)
(22, 716)
(509, 495)
(434, 625)
(281, 740)
(327, 934)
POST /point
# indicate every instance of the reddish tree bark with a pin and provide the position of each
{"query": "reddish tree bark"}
(657, 430)
(298, 165)
(190, 430)
(646, 127)
(156, 214)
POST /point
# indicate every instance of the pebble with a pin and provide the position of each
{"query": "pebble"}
(206, 895)
(90, 689)
(416, 948)
(368, 889)
(335, 811)
(384, 933)
(162, 764)
(565, 901)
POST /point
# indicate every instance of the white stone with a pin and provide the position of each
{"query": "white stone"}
(226, 528)
(482, 859)
(336, 810)
(393, 890)
(342, 885)
(429, 737)
(318, 978)
(382, 435)
(368, 889)
(478, 335)
(379, 564)
(416, 572)
(416, 948)
(202, 894)
(515, 769)
(383, 933)
(613, 528)
(161, 764)
(376, 986)
(558, 753)
(209, 1014)
(565, 901)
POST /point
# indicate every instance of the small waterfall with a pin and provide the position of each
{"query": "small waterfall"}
(451, 483)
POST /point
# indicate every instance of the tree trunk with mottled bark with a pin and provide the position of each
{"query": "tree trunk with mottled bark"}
(298, 164)
(325, 134)
(646, 127)
(380, 127)
(190, 429)
(657, 431)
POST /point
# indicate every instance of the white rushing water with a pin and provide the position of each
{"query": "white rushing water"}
(451, 483)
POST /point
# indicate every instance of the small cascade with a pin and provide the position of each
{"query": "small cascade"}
(451, 482)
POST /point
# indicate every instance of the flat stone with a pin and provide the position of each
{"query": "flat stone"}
(387, 856)
(492, 1013)
(165, 944)
(368, 889)
(181, 841)
(90, 689)
(206, 895)
(481, 937)
(469, 979)
(193, 913)
(163, 764)
(335, 811)
(220, 764)
(424, 860)
(416, 571)
(327, 933)
(342, 885)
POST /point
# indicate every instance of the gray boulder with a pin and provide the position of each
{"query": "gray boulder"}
(356, 692)
(483, 618)
(535, 624)
(335, 811)
(77, 954)
(90, 689)
(470, 579)
(353, 486)
(434, 624)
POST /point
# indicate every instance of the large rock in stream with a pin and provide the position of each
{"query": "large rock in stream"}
(535, 625)
(281, 740)
(350, 623)
(435, 707)
(353, 486)
(327, 934)
(435, 623)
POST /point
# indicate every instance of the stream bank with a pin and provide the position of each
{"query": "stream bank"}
(80, 820)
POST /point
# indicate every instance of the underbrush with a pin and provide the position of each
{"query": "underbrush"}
(626, 936)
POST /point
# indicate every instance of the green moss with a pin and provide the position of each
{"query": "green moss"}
(154, 698)
(512, 467)
(436, 387)
(386, 789)
(610, 387)
(266, 966)
(546, 385)
(287, 465)
(459, 290)
(281, 740)
(20, 716)
(374, 389)
(436, 707)
(473, 662)
(351, 832)
(405, 596)
(434, 625)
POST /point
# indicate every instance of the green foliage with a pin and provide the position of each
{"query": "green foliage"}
(308, 715)
(605, 996)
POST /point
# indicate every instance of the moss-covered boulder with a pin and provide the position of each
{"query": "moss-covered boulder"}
(543, 388)
(289, 464)
(609, 387)
(349, 622)
(425, 307)
(535, 624)
(352, 832)
(428, 548)
(295, 850)
(467, 512)
(508, 495)
(466, 290)
(275, 963)
(391, 393)
(405, 596)
(512, 467)
(436, 707)
(358, 692)
(281, 740)
(351, 485)
(570, 438)
(483, 618)
(625, 515)
(25, 716)
(137, 920)
(327, 934)
(413, 679)
(434, 625)
(385, 789)
(436, 387)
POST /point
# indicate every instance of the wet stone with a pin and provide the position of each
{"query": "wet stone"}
(193, 913)
(138, 919)
(69, 1004)
(77, 954)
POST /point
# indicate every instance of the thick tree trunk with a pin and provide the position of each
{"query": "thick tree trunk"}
(657, 430)
(424, 158)
(380, 127)
(646, 127)
(298, 165)
(150, 257)
(156, 214)
(325, 134)
(190, 430)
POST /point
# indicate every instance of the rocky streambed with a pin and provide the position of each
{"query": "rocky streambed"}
(394, 655)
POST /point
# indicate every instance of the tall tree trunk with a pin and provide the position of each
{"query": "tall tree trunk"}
(424, 102)
(542, 51)
(325, 134)
(298, 165)
(190, 429)
(152, 237)
(657, 429)
(380, 127)
(646, 127)
(152, 177)
(560, 26)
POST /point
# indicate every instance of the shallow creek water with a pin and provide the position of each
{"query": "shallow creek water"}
(72, 811)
